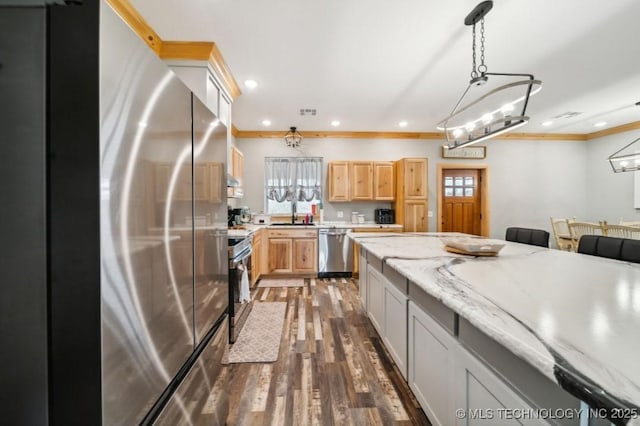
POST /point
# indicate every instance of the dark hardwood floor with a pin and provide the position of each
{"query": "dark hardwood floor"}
(332, 367)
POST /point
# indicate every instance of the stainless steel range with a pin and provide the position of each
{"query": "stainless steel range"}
(239, 263)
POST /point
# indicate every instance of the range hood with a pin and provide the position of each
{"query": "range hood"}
(232, 182)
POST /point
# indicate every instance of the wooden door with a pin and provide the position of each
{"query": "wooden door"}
(280, 255)
(415, 178)
(461, 201)
(415, 216)
(338, 177)
(384, 182)
(361, 185)
(305, 255)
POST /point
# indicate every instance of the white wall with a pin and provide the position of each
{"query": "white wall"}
(529, 181)
(609, 194)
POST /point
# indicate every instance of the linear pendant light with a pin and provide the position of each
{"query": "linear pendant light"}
(625, 159)
(493, 112)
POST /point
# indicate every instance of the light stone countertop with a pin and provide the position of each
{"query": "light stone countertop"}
(250, 228)
(576, 318)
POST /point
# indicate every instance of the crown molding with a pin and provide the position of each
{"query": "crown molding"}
(257, 134)
(186, 50)
(634, 125)
(130, 15)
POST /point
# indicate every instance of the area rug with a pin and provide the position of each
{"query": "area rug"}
(259, 340)
(281, 282)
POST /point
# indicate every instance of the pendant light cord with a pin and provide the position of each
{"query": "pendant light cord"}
(482, 68)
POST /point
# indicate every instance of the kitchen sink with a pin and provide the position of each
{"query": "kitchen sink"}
(292, 224)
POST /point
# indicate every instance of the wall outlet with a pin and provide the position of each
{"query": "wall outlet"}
(339, 214)
(430, 213)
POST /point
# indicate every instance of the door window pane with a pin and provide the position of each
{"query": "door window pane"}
(468, 192)
(468, 181)
(448, 192)
(448, 181)
(458, 181)
(458, 192)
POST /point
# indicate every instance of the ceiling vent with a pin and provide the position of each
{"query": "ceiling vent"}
(307, 111)
(568, 114)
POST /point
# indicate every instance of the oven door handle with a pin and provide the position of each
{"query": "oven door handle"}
(240, 257)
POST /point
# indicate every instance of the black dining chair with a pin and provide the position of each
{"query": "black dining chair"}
(534, 237)
(624, 249)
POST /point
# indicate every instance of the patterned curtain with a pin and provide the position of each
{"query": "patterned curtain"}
(296, 178)
(279, 179)
(308, 179)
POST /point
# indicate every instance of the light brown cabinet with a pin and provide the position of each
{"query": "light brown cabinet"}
(414, 178)
(256, 256)
(415, 216)
(411, 205)
(237, 171)
(293, 251)
(384, 181)
(361, 180)
(280, 255)
(305, 255)
(338, 181)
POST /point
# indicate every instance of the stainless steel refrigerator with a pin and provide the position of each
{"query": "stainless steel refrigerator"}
(162, 229)
(114, 284)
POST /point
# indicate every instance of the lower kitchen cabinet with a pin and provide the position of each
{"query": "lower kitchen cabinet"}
(395, 325)
(479, 390)
(387, 309)
(445, 377)
(280, 255)
(362, 279)
(292, 251)
(256, 257)
(430, 366)
(375, 299)
(305, 255)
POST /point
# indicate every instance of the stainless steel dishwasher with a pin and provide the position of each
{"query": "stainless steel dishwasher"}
(335, 253)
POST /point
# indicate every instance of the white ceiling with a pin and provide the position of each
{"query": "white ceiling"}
(373, 63)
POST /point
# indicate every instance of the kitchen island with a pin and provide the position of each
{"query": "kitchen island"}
(529, 329)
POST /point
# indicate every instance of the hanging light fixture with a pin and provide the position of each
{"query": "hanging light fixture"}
(502, 105)
(626, 159)
(293, 138)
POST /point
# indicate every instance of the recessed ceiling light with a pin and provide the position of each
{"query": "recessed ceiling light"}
(266, 122)
(403, 124)
(600, 124)
(547, 123)
(250, 84)
(335, 123)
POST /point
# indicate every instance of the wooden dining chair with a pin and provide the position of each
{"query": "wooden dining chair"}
(621, 231)
(561, 234)
(578, 229)
(629, 222)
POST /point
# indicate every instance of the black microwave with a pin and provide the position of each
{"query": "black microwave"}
(384, 216)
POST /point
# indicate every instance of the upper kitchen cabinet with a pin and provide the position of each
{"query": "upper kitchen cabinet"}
(338, 179)
(236, 169)
(413, 178)
(411, 203)
(361, 180)
(384, 182)
(205, 83)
